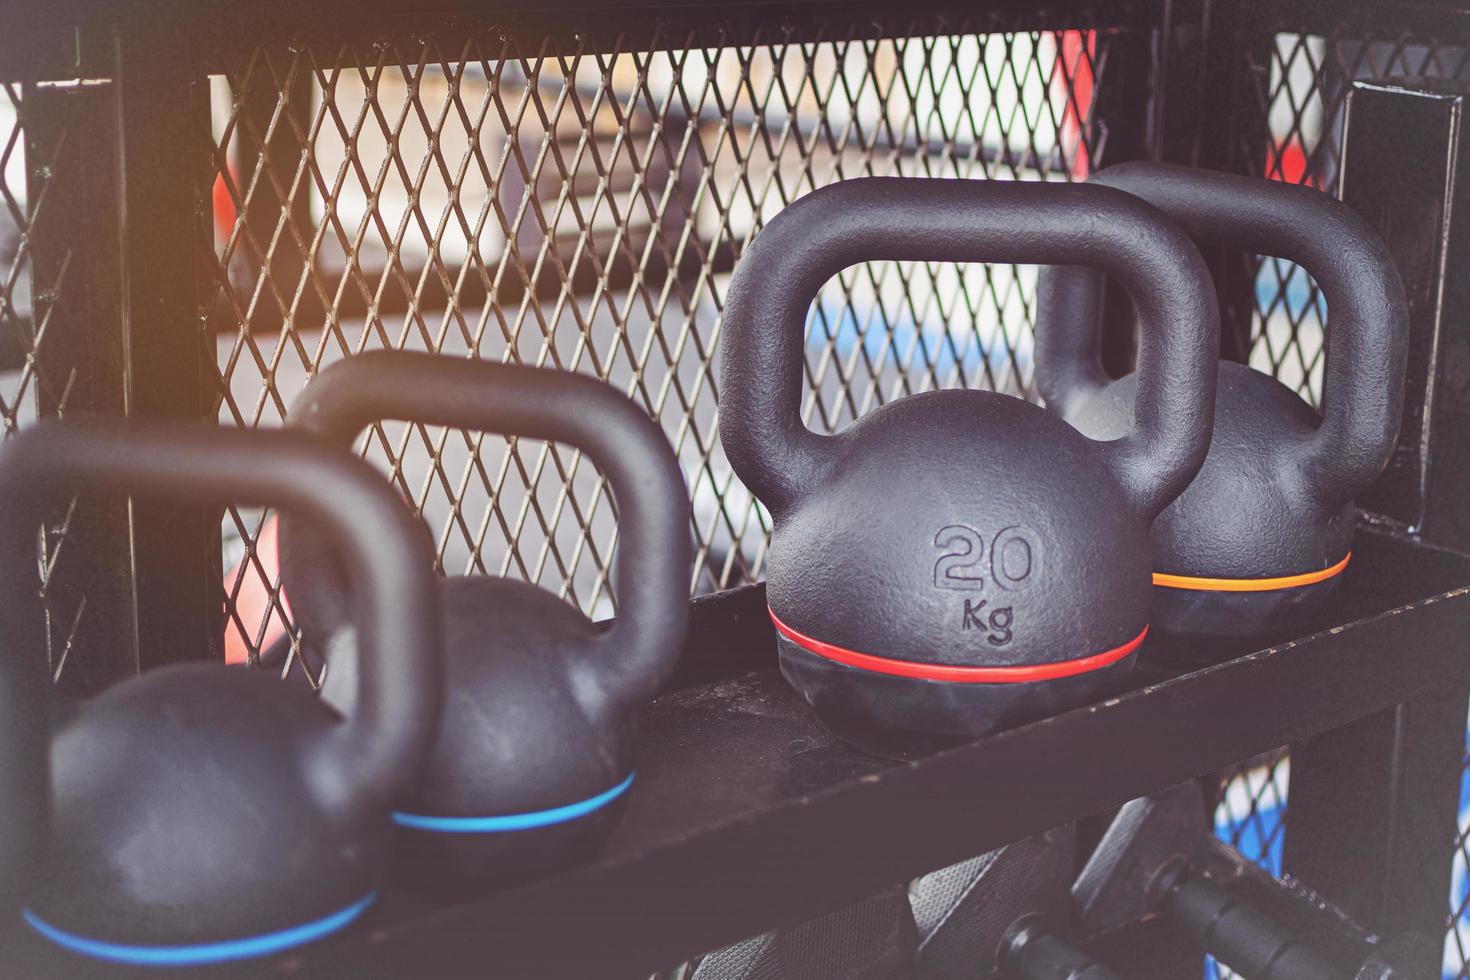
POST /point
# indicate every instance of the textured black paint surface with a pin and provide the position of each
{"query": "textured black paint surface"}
(748, 815)
(1274, 496)
(1374, 807)
(539, 705)
(963, 527)
(169, 792)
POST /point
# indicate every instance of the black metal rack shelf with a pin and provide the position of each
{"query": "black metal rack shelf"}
(748, 815)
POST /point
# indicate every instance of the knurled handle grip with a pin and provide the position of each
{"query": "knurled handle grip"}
(1239, 934)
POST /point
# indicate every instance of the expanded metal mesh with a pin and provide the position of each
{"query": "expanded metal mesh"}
(37, 374)
(1307, 78)
(17, 330)
(1251, 817)
(580, 204)
(1304, 82)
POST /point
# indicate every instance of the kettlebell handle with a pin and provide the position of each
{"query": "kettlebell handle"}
(944, 220)
(1367, 315)
(652, 567)
(375, 751)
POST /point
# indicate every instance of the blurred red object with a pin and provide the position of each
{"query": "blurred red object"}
(1288, 163)
(224, 209)
(253, 598)
(1072, 80)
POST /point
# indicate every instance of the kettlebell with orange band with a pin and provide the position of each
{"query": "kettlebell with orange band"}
(957, 561)
(1262, 534)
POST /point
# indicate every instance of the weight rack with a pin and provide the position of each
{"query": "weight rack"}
(176, 229)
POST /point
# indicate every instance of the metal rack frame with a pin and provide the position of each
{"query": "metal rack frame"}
(1372, 702)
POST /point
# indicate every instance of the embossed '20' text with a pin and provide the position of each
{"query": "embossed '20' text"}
(1014, 556)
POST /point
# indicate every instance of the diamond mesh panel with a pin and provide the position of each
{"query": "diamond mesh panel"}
(20, 375)
(1251, 817)
(17, 332)
(1252, 806)
(33, 377)
(581, 204)
(1457, 939)
(1306, 79)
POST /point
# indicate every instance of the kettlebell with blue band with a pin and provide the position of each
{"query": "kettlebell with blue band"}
(960, 560)
(1263, 533)
(535, 753)
(200, 814)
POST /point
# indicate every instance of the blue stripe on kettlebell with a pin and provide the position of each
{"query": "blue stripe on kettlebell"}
(512, 821)
(201, 953)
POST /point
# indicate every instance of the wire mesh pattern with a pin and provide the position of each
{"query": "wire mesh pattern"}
(1251, 817)
(1457, 940)
(581, 204)
(39, 294)
(17, 331)
(1307, 78)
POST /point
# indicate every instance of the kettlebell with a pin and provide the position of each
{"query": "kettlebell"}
(960, 560)
(201, 814)
(535, 752)
(1262, 535)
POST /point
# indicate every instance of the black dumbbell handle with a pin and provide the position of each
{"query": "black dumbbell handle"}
(1029, 952)
(1239, 935)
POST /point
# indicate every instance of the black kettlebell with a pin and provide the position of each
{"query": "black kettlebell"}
(536, 748)
(200, 814)
(1261, 535)
(959, 560)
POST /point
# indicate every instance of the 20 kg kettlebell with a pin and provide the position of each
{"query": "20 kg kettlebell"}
(1261, 534)
(200, 814)
(959, 560)
(536, 746)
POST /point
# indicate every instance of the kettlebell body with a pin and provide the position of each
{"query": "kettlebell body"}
(1261, 536)
(199, 814)
(498, 807)
(535, 752)
(1003, 583)
(172, 739)
(956, 561)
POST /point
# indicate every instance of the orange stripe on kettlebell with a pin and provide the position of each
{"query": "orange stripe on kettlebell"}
(958, 675)
(1166, 581)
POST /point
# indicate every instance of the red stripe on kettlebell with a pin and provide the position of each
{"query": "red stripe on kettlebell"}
(1013, 674)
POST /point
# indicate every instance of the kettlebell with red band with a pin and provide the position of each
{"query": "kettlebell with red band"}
(199, 814)
(535, 752)
(957, 561)
(1263, 533)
